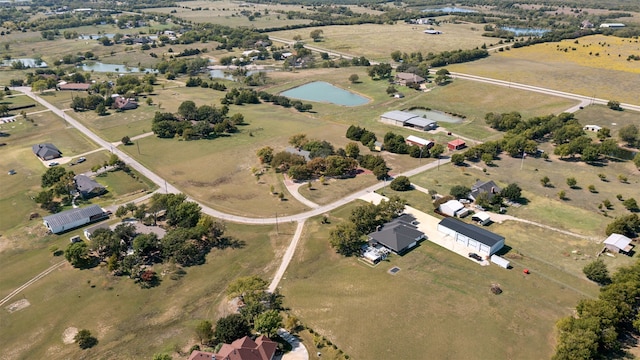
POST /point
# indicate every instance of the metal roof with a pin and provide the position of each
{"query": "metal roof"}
(71, 216)
(420, 121)
(418, 140)
(398, 115)
(476, 233)
(618, 240)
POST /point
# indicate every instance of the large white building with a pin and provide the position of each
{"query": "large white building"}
(477, 239)
(404, 118)
(70, 219)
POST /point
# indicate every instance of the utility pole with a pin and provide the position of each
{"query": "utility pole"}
(277, 231)
(138, 144)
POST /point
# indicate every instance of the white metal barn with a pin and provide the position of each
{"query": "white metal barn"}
(73, 218)
(454, 208)
(477, 239)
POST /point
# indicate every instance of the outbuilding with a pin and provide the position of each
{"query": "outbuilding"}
(456, 144)
(404, 118)
(475, 238)
(618, 243)
(500, 261)
(70, 219)
(414, 140)
(482, 218)
(454, 208)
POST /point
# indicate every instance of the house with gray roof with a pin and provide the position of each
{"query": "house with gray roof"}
(46, 151)
(87, 187)
(70, 219)
(488, 187)
(399, 235)
(477, 239)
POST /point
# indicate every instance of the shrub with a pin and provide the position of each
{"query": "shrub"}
(401, 183)
(85, 340)
(597, 271)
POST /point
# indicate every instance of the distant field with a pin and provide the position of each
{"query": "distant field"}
(433, 298)
(377, 42)
(605, 117)
(607, 75)
(229, 13)
(115, 309)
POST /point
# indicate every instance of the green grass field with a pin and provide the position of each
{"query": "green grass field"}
(605, 117)
(434, 298)
(115, 309)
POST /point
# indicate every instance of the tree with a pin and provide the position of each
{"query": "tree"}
(545, 181)
(457, 159)
(487, 158)
(230, 328)
(629, 134)
(126, 140)
(346, 239)
(247, 284)
(298, 140)
(436, 151)
(631, 204)
(352, 149)
(52, 176)
(265, 155)
(268, 322)
(77, 253)
(572, 182)
(204, 331)
(459, 191)
(614, 105)
(597, 271)
(512, 192)
(85, 340)
(353, 78)
(101, 109)
(316, 35)
(401, 183)
(39, 86)
(188, 110)
(636, 160)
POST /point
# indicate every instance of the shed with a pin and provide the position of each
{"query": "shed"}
(414, 140)
(618, 243)
(378, 146)
(456, 144)
(454, 208)
(73, 218)
(475, 238)
(500, 261)
(481, 218)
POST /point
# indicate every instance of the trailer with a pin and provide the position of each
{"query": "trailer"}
(502, 262)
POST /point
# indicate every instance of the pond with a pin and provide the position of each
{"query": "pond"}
(321, 91)
(448, 9)
(525, 31)
(27, 62)
(438, 116)
(114, 68)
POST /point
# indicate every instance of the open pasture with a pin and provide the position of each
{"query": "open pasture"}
(605, 73)
(434, 297)
(229, 13)
(603, 116)
(376, 42)
(115, 309)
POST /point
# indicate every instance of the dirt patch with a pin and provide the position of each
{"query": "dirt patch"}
(18, 305)
(69, 334)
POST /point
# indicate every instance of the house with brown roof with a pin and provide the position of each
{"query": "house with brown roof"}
(262, 348)
(407, 79)
(122, 103)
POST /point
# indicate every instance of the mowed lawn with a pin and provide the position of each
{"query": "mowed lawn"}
(438, 299)
(377, 42)
(16, 190)
(129, 322)
(607, 76)
(603, 116)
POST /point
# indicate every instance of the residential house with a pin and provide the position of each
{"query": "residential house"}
(456, 144)
(488, 187)
(122, 103)
(454, 208)
(46, 151)
(477, 239)
(399, 235)
(262, 348)
(407, 79)
(618, 243)
(87, 187)
(70, 219)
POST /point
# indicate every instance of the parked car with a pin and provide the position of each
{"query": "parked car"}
(475, 256)
(81, 160)
(53, 163)
(12, 172)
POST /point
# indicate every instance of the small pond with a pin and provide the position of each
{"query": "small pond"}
(114, 68)
(321, 91)
(95, 36)
(28, 62)
(438, 116)
(525, 31)
(449, 9)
